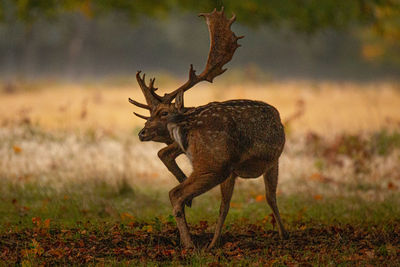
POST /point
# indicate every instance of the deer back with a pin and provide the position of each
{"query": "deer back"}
(229, 132)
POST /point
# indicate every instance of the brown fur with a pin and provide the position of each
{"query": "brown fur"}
(224, 140)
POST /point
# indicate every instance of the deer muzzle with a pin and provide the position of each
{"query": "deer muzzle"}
(142, 135)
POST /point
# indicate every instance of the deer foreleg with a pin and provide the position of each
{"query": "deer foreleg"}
(226, 195)
(196, 184)
(168, 155)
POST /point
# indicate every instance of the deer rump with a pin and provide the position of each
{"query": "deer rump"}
(235, 136)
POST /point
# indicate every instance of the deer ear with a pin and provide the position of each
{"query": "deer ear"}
(179, 100)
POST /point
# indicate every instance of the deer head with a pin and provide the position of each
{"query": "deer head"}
(223, 44)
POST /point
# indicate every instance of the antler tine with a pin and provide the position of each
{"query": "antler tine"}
(152, 84)
(140, 105)
(232, 20)
(192, 71)
(151, 97)
(223, 44)
(141, 116)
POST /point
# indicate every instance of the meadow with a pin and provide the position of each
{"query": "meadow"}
(77, 187)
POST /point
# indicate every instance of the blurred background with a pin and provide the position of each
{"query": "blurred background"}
(352, 40)
(98, 45)
(67, 68)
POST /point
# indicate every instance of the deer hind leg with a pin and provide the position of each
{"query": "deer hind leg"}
(196, 184)
(226, 195)
(271, 182)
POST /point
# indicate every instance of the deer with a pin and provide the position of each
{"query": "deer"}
(223, 140)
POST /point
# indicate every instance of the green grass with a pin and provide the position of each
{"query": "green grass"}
(333, 230)
(99, 202)
(346, 229)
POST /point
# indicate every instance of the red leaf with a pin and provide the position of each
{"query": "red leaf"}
(318, 197)
(37, 221)
(273, 221)
(260, 198)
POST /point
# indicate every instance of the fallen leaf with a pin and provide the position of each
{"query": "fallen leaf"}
(148, 228)
(235, 205)
(273, 221)
(370, 254)
(391, 186)
(260, 198)
(37, 221)
(318, 177)
(46, 223)
(17, 149)
(318, 197)
(26, 263)
(126, 216)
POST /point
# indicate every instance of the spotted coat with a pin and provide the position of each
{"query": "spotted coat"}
(230, 134)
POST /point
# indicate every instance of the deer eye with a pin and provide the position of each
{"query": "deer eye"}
(164, 113)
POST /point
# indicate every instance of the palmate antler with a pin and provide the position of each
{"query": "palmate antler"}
(223, 44)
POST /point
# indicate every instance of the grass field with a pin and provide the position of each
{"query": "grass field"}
(77, 187)
(327, 107)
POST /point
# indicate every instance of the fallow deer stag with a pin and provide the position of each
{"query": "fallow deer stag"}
(223, 140)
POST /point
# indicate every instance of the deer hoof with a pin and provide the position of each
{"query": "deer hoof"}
(188, 245)
(210, 246)
(284, 235)
(189, 203)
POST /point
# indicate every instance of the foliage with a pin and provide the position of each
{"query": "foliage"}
(308, 16)
(384, 141)
(28, 11)
(375, 23)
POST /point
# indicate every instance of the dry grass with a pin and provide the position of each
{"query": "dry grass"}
(328, 107)
(72, 133)
(30, 155)
(78, 132)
